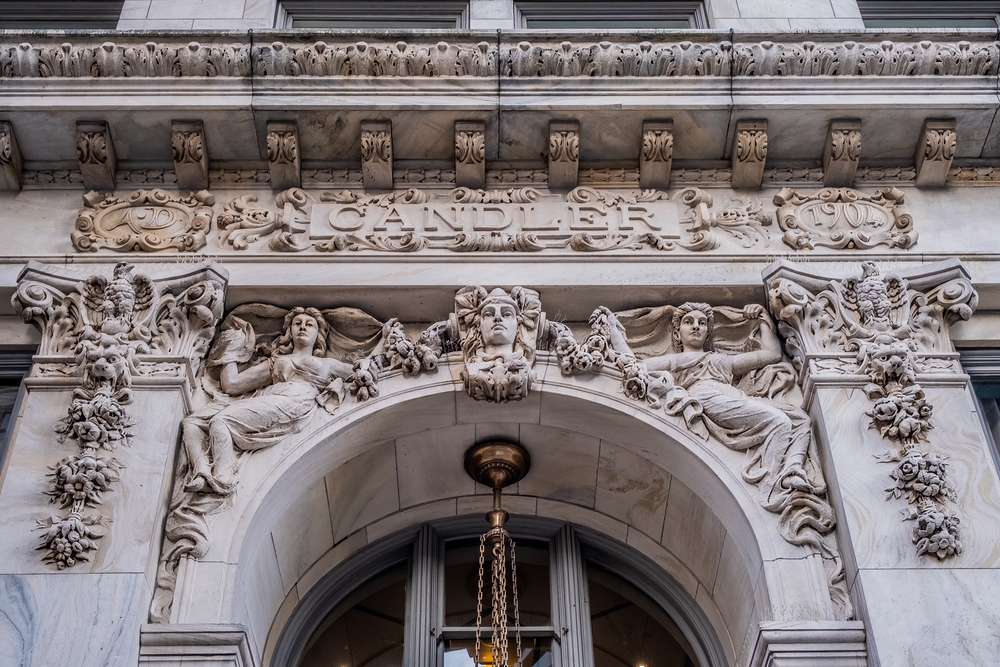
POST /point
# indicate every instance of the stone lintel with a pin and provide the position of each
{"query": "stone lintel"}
(11, 163)
(564, 154)
(656, 155)
(935, 152)
(841, 153)
(283, 155)
(749, 154)
(96, 152)
(190, 153)
(376, 154)
(470, 154)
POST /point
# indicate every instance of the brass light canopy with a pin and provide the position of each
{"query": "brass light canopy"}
(497, 464)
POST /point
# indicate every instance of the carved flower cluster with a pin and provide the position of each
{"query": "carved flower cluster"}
(82, 479)
(919, 475)
(98, 421)
(904, 415)
(70, 540)
(936, 533)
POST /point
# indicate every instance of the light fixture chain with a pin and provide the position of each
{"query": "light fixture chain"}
(517, 607)
(479, 597)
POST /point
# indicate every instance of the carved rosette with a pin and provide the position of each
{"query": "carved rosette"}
(107, 325)
(884, 334)
(145, 220)
(844, 218)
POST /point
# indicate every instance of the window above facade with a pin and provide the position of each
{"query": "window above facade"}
(378, 14)
(587, 15)
(60, 14)
(930, 13)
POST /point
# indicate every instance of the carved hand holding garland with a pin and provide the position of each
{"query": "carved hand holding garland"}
(881, 332)
(107, 325)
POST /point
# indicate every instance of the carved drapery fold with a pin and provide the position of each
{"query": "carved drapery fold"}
(107, 325)
(884, 334)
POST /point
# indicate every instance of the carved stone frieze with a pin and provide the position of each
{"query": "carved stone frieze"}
(508, 220)
(896, 329)
(142, 57)
(844, 218)
(145, 220)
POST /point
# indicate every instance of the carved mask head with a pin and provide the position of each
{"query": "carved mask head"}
(498, 319)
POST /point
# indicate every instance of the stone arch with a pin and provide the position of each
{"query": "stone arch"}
(629, 474)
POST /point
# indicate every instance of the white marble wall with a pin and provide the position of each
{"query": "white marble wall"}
(762, 15)
(918, 610)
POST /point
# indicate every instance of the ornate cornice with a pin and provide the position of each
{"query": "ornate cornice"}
(480, 55)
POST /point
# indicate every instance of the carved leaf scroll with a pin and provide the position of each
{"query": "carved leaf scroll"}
(844, 218)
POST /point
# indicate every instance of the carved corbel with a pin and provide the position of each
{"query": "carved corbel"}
(841, 153)
(283, 155)
(564, 154)
(190, 152)
(657, 154)
(885, 334)
(96, 153)
(935, 151)
(376, 154)
(470, 154)
(11, 163)
(749, 153)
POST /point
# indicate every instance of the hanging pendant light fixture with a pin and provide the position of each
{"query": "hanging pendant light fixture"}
(498, 465)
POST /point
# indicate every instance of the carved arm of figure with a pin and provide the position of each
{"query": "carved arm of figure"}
(235, 383)
(770, 346)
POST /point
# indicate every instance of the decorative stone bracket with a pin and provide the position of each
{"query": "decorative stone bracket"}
(886, 334)
(95, 335)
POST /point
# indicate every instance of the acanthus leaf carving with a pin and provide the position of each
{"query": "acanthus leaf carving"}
(470, 147)
(187, 147)
(92, 147)
(282, 147)
(146, 220)
(376, 146)
(657, 146)
(564, 146)
(845, 145)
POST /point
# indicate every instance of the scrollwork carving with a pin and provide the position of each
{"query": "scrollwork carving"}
(844, 218)
(146, 220)
(92, 147)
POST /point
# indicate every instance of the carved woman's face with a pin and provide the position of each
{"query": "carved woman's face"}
(694, 330)
(498, 324)
(304, 330)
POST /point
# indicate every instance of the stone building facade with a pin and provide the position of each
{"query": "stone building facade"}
(730, 286)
